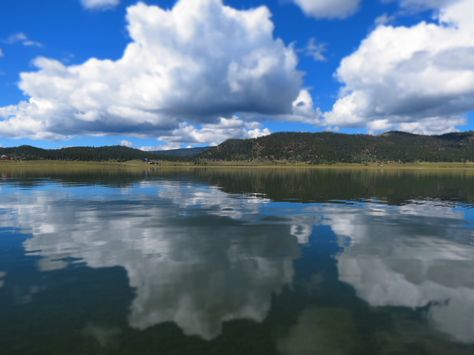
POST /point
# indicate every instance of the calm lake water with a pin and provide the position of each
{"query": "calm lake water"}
(237, 262)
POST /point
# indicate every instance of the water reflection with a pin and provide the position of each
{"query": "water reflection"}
(202, 255)
(197, 269)
(417, 255)
(320, 330)
(2, 275)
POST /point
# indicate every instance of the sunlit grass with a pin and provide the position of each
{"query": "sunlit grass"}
(136, 165)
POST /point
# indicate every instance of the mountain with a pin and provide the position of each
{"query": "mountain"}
(346, 148)
(118, 153)
(292, 147)
(183, 153)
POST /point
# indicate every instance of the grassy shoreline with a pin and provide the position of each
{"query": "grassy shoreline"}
(134, 165)
(59, 166)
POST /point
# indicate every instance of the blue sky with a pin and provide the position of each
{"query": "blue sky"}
(72, 32)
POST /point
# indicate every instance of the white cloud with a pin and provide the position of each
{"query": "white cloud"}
(432, 125)
(304, 109)
(99, 4)
(185, 66)
(424, 4)
(418, 78)
(315, 50)
(215, 133)
(328, 8)
(23, 39)
(413, 6)
(331, 9)
(170, 146)
(126, 143)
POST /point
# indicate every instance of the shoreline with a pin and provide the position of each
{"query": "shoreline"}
(136, 164)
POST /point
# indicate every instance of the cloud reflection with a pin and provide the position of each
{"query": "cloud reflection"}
(198, 257)
(196, 270)
(2, 277)
(417, 255)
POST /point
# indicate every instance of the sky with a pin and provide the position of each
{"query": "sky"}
(162, 74)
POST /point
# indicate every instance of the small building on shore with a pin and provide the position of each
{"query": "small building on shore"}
(151, 162)
(5, 157)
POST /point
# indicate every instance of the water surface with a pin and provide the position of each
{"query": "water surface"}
(269, 261)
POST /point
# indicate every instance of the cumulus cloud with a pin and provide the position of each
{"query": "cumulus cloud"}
(418, 78)
(215, 133)
(304, 109)
(328, 8)
(99, 4)
(188, 65)
(152, 148)
(188, 135)
(126, 143)
(332, 9)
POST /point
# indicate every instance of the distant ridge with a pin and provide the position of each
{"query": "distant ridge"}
(184, 152)
(118, 153)
(329, 147)
(398, 133)
(314, 148)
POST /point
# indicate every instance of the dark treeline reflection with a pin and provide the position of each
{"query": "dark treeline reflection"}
(282, 184)
(112, 178)
(319, 185)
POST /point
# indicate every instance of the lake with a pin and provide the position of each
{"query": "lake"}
(237, 261)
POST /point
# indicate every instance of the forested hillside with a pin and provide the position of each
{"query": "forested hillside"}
(314, 148)
(183, 153)
(118, 153)
(347, 148)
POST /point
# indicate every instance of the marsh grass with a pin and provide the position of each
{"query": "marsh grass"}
(58, 166)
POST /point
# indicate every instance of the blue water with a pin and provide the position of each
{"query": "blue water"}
(232, 263)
